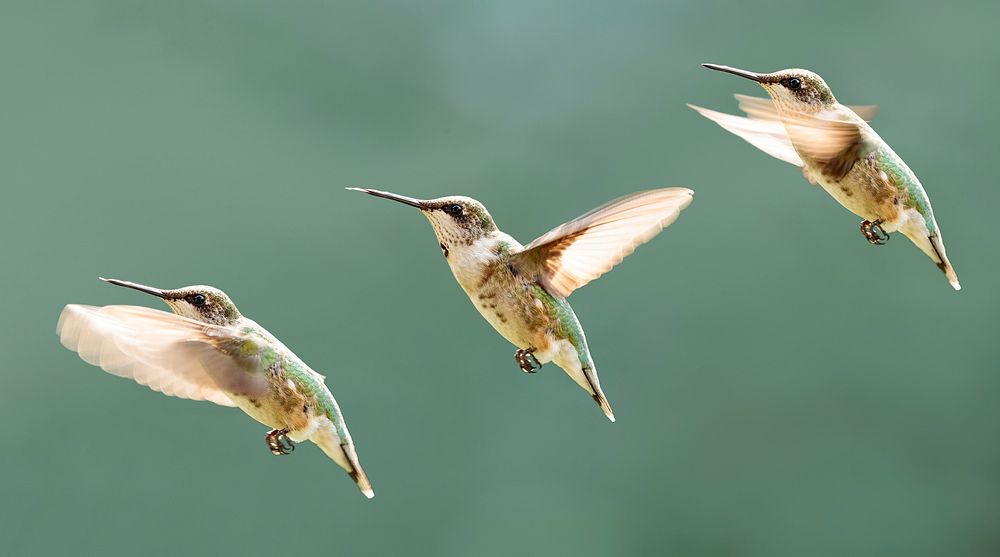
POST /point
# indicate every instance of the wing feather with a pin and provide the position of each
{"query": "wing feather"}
(165, 352)
(767, 135)
(763, 109)
(575, 253)
(834, 141)
(836, 144)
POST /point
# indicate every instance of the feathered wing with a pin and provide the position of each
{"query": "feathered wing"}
(828, 138)
(834, 143)
(767, 135)
(585, 248)
(165, 352)
(763, 109)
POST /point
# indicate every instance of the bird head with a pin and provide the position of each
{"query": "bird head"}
(792, 90)
(456, 220)
(201, 303)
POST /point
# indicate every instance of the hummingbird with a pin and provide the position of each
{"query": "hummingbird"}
(207, 350)
(803, 124)
(521, 290)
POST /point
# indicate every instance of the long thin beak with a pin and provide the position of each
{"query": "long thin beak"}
(418, 203)
(735, 71)
(140, 287)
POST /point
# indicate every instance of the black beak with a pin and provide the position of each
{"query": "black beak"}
(140, 287)
(418, 203)
(736, 71)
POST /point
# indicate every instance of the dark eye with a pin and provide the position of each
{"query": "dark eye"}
(794, 83)
(454, 209)
(198, 299)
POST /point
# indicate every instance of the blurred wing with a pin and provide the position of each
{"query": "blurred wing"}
(763, 109)
(768, 136)
(835, 144)
(866, 112)
(165, 352)
(583, 249)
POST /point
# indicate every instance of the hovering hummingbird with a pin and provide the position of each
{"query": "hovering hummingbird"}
(803, 124)
(522, 290)
(207, 350)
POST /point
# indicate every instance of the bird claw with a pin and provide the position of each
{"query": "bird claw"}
(526, 360)
(278, 442)
(874, 232)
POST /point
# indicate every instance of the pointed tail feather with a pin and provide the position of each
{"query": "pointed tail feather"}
(583, 373)
(595, 391)
(933, 246)
(357, 473)
(602, 401)
(346, 457)
(943, 263)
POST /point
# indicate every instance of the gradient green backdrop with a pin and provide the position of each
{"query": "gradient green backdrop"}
(781, 387)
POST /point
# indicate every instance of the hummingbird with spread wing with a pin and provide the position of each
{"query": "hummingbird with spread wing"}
(803, 124)
(522, 290)
(207, 350)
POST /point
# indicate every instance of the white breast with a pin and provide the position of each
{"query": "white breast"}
(468, 262)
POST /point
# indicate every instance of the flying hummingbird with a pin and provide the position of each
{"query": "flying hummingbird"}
(207, 350)
(803, 124)
(522, 290)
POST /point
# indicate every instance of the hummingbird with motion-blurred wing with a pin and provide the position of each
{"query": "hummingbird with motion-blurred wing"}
(207, 350)
(803, 124)
(522, 290)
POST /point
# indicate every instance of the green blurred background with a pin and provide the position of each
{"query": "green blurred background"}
(781, 387)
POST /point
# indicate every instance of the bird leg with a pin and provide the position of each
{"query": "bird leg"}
(874, 232)
(526, 359)
(278, 442)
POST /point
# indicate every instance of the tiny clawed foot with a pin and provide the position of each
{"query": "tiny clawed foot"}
(278, 442)
(526, 360)
(874, 232)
